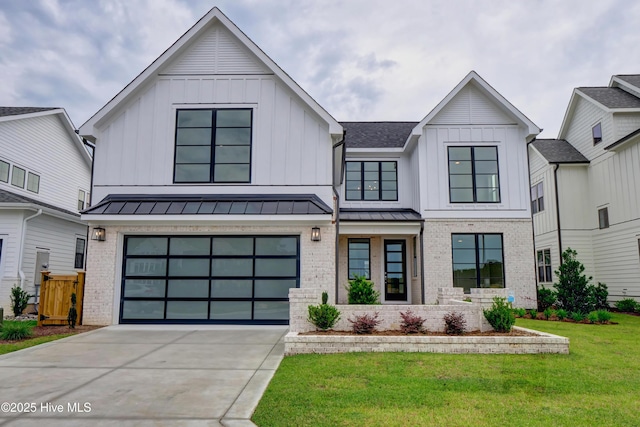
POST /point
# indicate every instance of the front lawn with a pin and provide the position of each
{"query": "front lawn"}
(597, 384)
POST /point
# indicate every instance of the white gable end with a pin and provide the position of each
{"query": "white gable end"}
(216, 52)
(471, 106)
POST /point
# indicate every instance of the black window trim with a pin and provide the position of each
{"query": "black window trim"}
(504, 280)
(212, 154)
(379, 199)
(544, 265)
(473, 173)
(78, 261)
(366, 240)
(537, 204)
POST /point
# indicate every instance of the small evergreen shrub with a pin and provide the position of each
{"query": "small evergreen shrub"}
(576, 316)
(600, 295)
(500, 316)
(72, 316)
(519, 312)
(365, 324)
(603, 316)
(323, 316)
(454, 323)
(627, 305)
(19, 300)
(593, 317)
(533, 313)
(411, 323)
(361, 291)
(574, 293)
(546, 298)
(561, 314)
(548, 312)
(14, 331)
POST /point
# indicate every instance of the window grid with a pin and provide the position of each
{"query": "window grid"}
(478, 261)
(372, 181)
(359, 258)
(545, 271)
(537, 198)
(473, 174)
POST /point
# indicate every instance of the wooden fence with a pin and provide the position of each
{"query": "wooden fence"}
(55, 297)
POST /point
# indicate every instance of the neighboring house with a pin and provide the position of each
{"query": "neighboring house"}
(45, 176)
(585, 190)
(220, 184)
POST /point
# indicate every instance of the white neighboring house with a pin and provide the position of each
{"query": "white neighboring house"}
(442, 202)
(45, 176)
(585, 190)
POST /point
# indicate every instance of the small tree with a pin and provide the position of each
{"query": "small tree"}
(574, 292)
(361, 291)
(19, 300)
(72, 317)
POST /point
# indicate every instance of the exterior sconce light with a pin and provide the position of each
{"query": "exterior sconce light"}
(315, 234)
(98, 234)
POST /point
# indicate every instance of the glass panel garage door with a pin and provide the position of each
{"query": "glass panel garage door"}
(208, 279)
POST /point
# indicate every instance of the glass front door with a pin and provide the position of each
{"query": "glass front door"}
(395, 278)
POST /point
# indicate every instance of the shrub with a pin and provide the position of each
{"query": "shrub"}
(561, 314)
(519, 312)
(500, 316)
(361, 291)
(72, 316)
(547, 313)
(593, 317)
(454, 323)
(576, 316)
(323, 316)
(533, 314)
(546, 298)
(14, 331)
(411, 323)
(628, 305)
(19, 300)
(600, 295)
(574, 292)
(603, 316)
(365, 324)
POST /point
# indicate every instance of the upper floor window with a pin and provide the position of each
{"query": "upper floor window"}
(372, 181)
(544, 266)
(17, 176)
(473, 175)
(4, 171)
(82, 196)
(33, 182)
(537, 198)
(603, 218)
(213, 146)
(478, 261)
(596, 131)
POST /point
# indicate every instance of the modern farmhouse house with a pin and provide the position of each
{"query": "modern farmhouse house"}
(220, 184)
(585, 192)
(45, 178)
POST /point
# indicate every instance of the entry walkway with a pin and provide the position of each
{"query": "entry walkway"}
(143, 376)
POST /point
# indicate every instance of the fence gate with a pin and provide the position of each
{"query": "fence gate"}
(55, 297)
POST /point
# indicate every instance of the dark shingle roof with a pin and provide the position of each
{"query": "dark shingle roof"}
(623, 139)
(210, 204)
(9, 197)
(377, 134)
(611, 97)
(15, 111)
(379, 215)
(558, 151)
(632, 79)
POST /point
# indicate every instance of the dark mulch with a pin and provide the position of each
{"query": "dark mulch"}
(42, 331)
(513, 333)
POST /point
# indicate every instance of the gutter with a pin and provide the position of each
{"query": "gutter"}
(555, 183)
(21, 252)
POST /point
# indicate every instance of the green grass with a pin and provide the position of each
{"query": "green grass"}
(8, 348)
(598, 383)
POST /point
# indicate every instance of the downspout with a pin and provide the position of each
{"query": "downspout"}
(337, 195)
(533, 231)
(555, 183)
(93, 159)
(21, 252)
(422, 260)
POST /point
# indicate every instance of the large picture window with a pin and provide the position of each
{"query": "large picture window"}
(478, 261)
(213, 146)
(359, 258)
(372, 181)
(473, 175)
(209, 279)
(544, 266)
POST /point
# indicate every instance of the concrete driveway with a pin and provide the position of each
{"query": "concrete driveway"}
(142, 376)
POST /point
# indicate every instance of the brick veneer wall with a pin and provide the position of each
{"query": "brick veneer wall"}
(104, 261)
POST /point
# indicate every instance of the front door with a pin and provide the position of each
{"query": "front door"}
(395, 278)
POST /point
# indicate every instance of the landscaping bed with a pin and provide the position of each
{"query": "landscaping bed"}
(44, 331)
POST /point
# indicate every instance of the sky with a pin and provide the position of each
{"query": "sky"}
(362, 60)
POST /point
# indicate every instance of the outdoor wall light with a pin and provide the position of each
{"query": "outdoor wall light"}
(99, 234)
(315, 234)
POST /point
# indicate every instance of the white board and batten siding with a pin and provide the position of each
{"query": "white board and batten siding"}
(579, 130)
(291, 144)
(43, 146)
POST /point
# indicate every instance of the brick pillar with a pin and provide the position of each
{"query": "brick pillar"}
(299, 301)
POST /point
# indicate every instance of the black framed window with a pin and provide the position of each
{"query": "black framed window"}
(213, 146)
(79, 258)
(545, 272)
(478, 261)
(209, 279)
(603, 218)
(596, 132)
(537, 198)
(473, 175)
(372, 181)
(4, 171)
(359, 258)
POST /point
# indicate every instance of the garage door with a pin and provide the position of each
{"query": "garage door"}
(208, 279)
